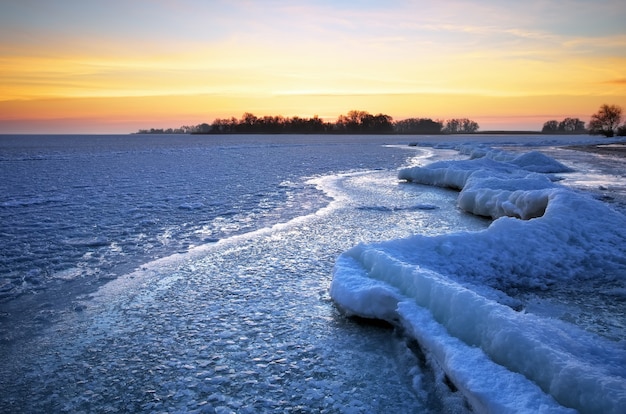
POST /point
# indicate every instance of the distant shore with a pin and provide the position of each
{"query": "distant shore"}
(614, 149)
(507, 132)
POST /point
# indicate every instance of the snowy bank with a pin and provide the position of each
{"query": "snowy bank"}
(456, 293)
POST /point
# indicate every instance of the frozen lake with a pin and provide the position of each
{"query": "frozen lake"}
(192, 274)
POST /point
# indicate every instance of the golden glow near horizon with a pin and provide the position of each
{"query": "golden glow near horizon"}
(88, 66)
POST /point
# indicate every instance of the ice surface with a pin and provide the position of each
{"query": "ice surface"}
(246, 324)
(447, 290)
(229, 310)
(242, 324)
(107, 204)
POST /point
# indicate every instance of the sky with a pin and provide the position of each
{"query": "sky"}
(116, 66)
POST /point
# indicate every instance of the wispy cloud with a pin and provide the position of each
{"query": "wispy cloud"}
(388, 50)
(621, 81)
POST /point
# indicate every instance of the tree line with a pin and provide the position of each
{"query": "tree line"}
(566, 126)
(354, 122)
(604, 122)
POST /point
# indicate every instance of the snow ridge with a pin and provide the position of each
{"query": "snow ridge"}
(454, 292)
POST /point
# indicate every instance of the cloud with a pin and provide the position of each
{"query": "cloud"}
(621, 81)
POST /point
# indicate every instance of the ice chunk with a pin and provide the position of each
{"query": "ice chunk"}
(440, 288)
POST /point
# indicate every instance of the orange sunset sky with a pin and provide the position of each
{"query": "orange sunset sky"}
(115, 66)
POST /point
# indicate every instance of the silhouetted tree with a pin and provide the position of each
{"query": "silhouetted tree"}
(460, 126)
(354, 122)
(470, 127)
(550, 127)
(220, 126)
(350, 123)
(203, 128)
(362, 122)
(606, 120)
(309, 126)
(452, 126)
(572, 125)
(418, 126)
(566, 126)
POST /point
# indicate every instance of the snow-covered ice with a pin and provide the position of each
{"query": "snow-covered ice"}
(240, 324)
(156, 276)
(467, 297)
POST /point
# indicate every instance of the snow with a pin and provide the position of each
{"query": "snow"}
(463, 295)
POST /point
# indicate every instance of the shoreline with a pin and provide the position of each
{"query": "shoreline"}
(613, 149)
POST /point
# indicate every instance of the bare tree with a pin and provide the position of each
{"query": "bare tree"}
(606, 120)
(571, 125)
(550, 127)
(452, 126)
(418, 126)
(460, 126)
(468, 126)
